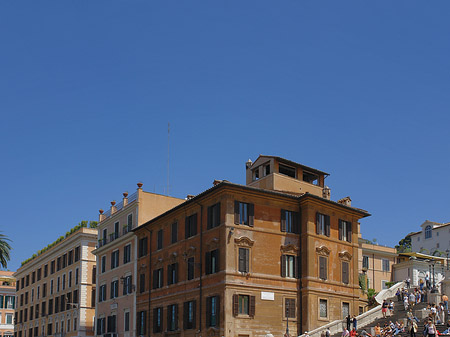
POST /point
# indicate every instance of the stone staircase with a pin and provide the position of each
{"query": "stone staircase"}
(399, 315)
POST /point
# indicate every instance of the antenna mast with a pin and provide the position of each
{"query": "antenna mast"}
(168, 149)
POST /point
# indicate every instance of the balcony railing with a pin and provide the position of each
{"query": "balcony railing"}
(114, 236)
(119, 206)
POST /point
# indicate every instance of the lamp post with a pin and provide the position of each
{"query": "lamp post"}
(433, 288)
(287, 320)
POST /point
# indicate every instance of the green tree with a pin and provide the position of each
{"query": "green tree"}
(404, 245)
(4, 250)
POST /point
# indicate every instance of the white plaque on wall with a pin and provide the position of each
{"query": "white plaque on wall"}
(268, 296)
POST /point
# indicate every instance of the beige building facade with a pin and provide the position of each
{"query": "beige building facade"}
(7, 303)
(376, 264)
(56, 290)
(116, 259)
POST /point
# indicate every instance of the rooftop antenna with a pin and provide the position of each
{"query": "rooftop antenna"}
(168, 152)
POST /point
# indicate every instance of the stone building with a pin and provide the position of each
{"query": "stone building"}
(56, 290)
(249, 260)
(116, 259)
(7, 303)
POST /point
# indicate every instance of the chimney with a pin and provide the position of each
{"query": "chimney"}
(101, 216)
(347, 201)
(326, 193)
(113, 207)
(125, 199)
(189, 196)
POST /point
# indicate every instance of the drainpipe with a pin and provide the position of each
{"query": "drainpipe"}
(149, 279)
(201, 267)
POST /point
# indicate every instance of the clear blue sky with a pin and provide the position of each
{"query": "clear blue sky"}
(359, 89)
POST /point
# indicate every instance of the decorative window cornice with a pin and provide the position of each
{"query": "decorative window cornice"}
(189, 252)
(345, 256)
(322, 250)
(290, 248)
(244, 242)
(213, 244)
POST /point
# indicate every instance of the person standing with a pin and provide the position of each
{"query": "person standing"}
(408, 282)
(391, 308)
(431, 329)
(377, 330)
(327, 332)
(354, 322)
(445, 300)
(348, 322)
(413, 327)
(384, 308)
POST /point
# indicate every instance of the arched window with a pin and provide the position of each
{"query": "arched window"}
(428, 232)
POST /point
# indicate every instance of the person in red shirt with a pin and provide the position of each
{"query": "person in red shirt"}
(353, 333)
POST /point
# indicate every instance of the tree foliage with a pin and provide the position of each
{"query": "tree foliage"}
(4, 250)
(404, 245)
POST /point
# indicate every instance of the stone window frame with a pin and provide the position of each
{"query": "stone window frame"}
(327, 318)
(243, 242)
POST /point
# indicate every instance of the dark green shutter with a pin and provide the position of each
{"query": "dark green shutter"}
(283, 265)
(283, 220)
(236, 212)
(251, 215)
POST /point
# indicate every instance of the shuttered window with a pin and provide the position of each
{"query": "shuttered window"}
(289, 266)
(244, 305)
(189, 315)
(244, 213)
(190, 268)
(191, 226)
(157, 320)
(322, 224)
(172, 273)
(244, 266)
(142, 322)
(213, 216)
(212, 311)
(345, 230)
(172, 317)
(345, 275)
(212, 262)
(323, 268)
(290, 221)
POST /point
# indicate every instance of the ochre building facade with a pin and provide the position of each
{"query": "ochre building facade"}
(249, 260)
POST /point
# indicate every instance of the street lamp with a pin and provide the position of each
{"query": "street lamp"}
(432, 263)
(287, 320)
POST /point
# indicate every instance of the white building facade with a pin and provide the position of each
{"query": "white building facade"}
(433, 239)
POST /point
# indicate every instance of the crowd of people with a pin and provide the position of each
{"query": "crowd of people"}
(409, 297)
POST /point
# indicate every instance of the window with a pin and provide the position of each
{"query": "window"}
(323, 308)
(39, 272)
(9, 318)
(127, 285)
(323, 268)
(142, 322)
(126, 321)
(51, 287)
(289, 221)
(102, 293)
(38, 290)
(58, 281)
(112, 323)
(310, 178)
(190, 268)
(115, 259)
(127, 254)
(212, 311)
(130, 221)
(157, 320)
(28, 280)
(103, 263)
(365, 262)
(213, 216)
(345, 272)
(289, 266)
(287, 170)
(105, 235)
(212, 262)
(45, 271)
(33, 277)
(322, 224)
(142, 247)
(77, 273)
(160, 240)
(345, 309)
(10, 302)
(157, 278)
(172, 317)
(289, 307)
(64, 281)
(243, 305)
(244, 213)
(172, 273)
(191, 226)
(244, 263)
(142, 283)
(101, 326)
(428, 232)
(174, 232)
(43, 309)
(64, 261)
(383, 285)
(50, 307)
(114, 288)
(385, 264)
(116, 230)
(345, 230)
(70, 279)
(70, 258)
(77, 254)
(256, 174)
(189, 314)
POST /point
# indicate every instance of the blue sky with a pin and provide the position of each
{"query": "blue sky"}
(358, 89)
